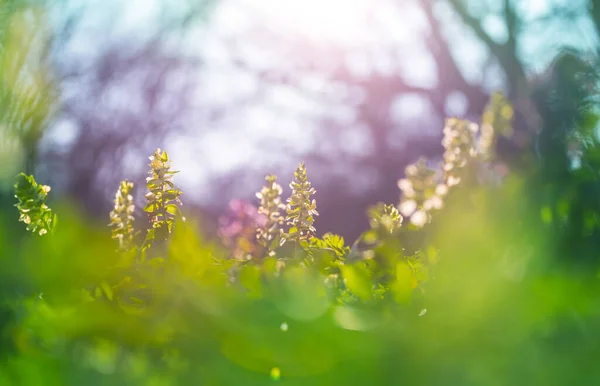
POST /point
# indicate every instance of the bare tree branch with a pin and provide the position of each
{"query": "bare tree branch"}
(505, 53)
(450, 77)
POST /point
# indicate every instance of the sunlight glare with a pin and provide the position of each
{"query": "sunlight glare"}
(337, 21)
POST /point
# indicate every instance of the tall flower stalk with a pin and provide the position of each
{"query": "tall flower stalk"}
(163, 198)
(301, 210)
(421, 192)
(384, 219)
(121, 217)
(271, 207)
(460, 149)
(31, 204)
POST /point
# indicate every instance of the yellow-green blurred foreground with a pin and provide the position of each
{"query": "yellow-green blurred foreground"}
(496, 306)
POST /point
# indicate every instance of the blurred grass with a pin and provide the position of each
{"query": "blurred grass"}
(497, 312)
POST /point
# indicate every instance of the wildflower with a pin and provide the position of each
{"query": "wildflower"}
(419, 180)
(162, 197)
(300, 208)
(408, 207)
(452, 181)
(419, 218)
(406, 187)
(121, 217)
(459, 142)
(435, 202)
(487, 140)
(420, 189)
(270, 207)
(441, 190)
(384, 218)
(33, 210)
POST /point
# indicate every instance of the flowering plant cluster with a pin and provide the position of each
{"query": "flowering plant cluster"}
(270, 264)
(277, 234)
(468, 148)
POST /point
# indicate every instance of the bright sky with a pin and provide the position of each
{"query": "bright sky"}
(338, 21)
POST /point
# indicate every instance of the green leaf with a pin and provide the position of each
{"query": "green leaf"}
(172, 209)
(108, 292)
(131, 309)
(546, 214)
(404, 283)
(250, 278)
(150, 236)
(170, 195)
(370, 237)
(153, 183)
(151, 207)
(357, 280)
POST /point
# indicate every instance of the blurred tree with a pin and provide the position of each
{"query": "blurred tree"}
(564, 184)
(139, 90)
(120, 102)
(506, 34)
(27, 89)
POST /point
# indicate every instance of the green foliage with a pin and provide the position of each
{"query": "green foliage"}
(31, 204)
(331, 242)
